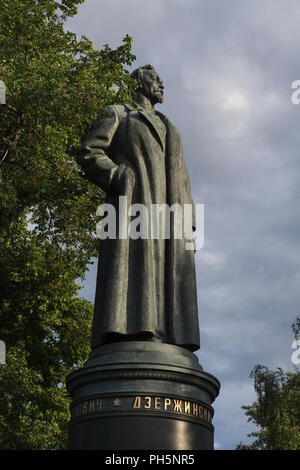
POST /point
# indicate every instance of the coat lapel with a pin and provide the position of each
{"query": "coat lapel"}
(148, 117)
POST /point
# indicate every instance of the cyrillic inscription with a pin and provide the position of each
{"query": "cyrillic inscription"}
(173, 405)
(88, 406)
(148, 403)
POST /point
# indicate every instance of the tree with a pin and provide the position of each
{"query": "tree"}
(277, 408)
(56, 85)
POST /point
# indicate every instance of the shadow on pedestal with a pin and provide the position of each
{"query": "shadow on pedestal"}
(141, 395)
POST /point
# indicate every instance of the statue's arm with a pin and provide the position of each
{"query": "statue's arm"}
(93, 155)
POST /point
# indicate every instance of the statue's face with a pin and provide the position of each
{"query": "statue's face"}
(152, 86)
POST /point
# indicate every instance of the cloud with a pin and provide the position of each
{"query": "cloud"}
(228, 69)
(230, 417)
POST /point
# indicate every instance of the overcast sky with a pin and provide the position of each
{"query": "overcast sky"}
(227, 67)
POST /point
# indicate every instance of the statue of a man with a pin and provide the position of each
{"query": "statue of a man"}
(146, 288)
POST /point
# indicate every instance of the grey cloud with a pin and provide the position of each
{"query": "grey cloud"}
(227, 68)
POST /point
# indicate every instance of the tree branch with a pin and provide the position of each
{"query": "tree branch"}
(17, 134)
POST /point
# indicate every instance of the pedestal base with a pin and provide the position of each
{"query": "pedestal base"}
(141, 395)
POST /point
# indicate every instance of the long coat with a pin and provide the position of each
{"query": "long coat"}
(145, 287)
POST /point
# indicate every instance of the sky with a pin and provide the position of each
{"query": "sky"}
(228, 68)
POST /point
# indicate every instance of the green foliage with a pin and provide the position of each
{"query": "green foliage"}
(276, 410)
(56, 85)
(296, 328)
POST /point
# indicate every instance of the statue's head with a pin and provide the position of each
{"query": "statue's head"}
(149, 83)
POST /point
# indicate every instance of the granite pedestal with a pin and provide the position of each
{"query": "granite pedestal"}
(141, 395)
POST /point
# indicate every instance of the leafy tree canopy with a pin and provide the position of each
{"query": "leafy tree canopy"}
(56, 84)
(277, 408)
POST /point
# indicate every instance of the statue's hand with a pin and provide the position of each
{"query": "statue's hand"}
(123, 178)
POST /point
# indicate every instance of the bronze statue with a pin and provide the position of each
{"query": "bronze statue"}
(146, 288)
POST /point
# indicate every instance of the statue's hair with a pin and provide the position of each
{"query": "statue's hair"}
(137, 74)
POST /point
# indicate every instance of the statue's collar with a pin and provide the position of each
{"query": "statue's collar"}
(136, 107)
(149, 117)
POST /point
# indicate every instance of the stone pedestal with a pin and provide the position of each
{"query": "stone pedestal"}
(141, 395)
